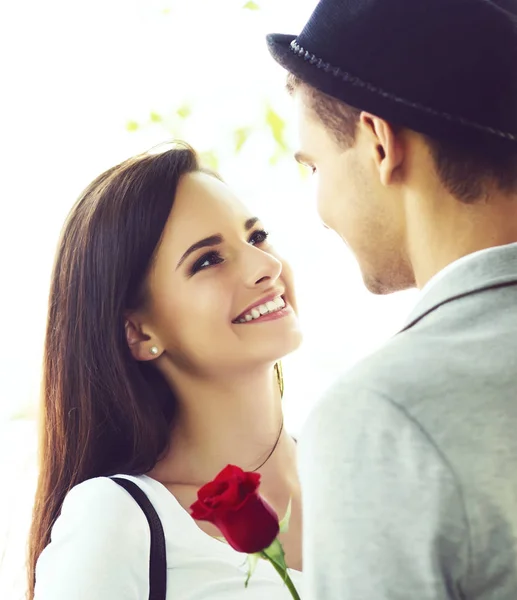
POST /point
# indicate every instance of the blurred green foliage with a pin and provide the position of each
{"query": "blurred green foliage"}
(276, 125)
(176, 122)
(184, 111)
(240, 136)
(132, 126)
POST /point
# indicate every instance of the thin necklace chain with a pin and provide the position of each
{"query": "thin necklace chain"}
(273, 449)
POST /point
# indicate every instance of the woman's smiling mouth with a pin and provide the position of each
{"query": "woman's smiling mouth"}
(276, 306)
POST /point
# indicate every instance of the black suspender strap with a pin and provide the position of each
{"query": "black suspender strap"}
(158, 558)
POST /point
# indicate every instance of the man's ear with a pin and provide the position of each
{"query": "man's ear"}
(143, 346)
(387, 146)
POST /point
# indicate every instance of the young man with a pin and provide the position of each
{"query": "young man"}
(407, 114)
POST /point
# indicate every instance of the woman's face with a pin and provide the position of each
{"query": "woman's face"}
(219, 295)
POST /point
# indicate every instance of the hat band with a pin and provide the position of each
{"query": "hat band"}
(319, 63)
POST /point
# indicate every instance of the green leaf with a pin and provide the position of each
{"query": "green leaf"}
(251, 5)
(132, 125)
(252, 565)
(277, 125)
(284, 523)
(155, 117)
(240, 137)
(275, 553)
(184, 111)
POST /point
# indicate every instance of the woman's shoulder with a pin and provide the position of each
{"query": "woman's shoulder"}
(100, 542)
(101, 507)
(101, 502)
(99, 514)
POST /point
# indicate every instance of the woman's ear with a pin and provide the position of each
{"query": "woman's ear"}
(142, 345)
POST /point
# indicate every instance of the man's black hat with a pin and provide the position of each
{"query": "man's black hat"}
(444, 68)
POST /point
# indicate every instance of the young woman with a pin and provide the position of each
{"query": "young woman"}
(169, 311)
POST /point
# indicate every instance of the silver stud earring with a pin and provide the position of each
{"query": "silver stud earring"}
(153, 350)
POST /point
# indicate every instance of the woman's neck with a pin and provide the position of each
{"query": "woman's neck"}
(237, 421)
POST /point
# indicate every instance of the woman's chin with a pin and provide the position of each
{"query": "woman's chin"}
(281, 347)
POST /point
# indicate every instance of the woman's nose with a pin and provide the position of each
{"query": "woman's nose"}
(259, 267)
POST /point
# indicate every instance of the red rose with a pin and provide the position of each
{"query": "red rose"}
(231, 502)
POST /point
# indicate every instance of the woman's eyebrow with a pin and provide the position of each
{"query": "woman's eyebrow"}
(212, 240)
(250, 222)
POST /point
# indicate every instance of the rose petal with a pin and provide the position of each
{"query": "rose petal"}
(228, 473)
(251, 528)
(212, 489)
(226, 490)
(201, 512)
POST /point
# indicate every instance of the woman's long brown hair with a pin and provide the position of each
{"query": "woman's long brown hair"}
(102, 412)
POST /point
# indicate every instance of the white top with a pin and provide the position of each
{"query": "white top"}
(100, 549)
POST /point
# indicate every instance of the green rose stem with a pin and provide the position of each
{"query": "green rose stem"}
(285, 576)
(275, 555)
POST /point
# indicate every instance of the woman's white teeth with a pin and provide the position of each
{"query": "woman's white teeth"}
(268, 307)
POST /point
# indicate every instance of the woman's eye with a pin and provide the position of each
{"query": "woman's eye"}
(207, 260)
(258, 237)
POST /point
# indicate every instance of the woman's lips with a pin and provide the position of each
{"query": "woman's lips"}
(268, 308)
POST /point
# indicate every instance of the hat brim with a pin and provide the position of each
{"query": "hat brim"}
(279, 45)
(384, 105)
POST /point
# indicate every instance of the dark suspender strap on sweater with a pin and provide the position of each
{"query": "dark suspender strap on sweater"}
(158, 558)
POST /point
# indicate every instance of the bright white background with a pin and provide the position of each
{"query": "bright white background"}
(73, 75)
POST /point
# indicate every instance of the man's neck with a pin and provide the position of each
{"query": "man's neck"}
(459, 230)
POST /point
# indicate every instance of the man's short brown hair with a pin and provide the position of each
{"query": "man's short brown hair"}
(467, 172)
